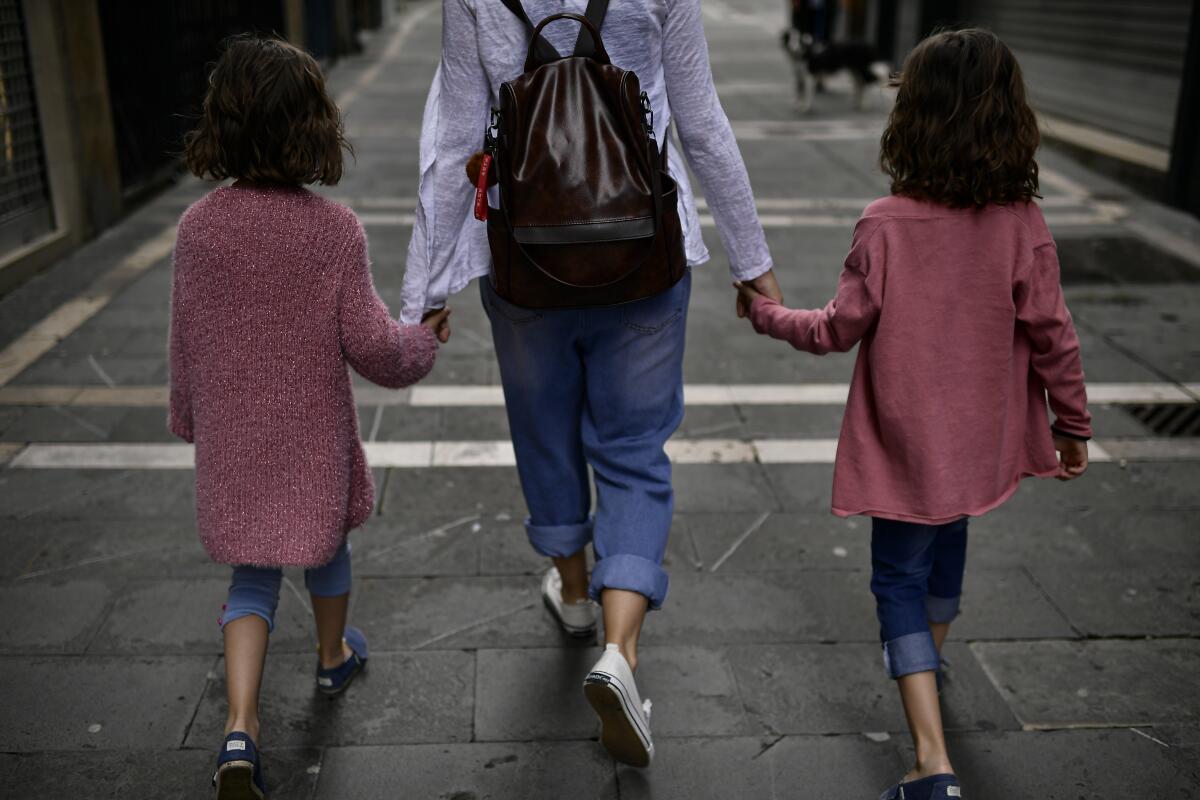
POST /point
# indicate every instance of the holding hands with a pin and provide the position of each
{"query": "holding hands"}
(438, 321)
(764, 285)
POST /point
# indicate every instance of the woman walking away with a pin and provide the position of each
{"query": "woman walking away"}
(952, 288)
(272, 299)
(597, 386)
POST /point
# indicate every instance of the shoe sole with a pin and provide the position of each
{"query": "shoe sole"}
(345, 684)
(569, 630)
(619, 734)
(235, 781)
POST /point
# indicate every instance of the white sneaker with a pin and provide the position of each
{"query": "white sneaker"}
(624, 718)
(578, 618)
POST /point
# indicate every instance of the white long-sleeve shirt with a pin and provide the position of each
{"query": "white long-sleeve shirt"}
(484, 45)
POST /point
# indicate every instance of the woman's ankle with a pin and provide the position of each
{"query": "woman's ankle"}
(574, 575)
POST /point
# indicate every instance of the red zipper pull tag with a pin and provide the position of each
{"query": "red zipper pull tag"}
(481, 188)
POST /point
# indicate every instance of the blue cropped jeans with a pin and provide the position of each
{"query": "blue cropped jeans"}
(916, 577)
(255, 590)
(599, 387)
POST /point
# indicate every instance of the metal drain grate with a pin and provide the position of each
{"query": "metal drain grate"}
(1168, 419)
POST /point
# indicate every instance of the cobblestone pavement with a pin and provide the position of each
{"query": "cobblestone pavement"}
(1073, 669)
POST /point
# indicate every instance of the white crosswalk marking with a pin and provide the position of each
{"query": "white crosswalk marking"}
(499, 453)
(492, 396)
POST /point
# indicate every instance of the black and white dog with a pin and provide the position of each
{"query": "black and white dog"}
(814, 61)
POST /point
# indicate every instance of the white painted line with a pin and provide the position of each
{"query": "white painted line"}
(1062, 183)
(65, 319)
(474, 454)
(407, 205)
(451, 396)
(710, 451)
(105, 456)
(492, 396)
(1121, 393)
(789, 394)
(796, 451)
(499, 453)
(1097, 217)
(381, 220)
(1152, 449)
(133, 396)
(1166, 239)
(1097, 453)
(1105, 142)
(372, 220)
(399, 454)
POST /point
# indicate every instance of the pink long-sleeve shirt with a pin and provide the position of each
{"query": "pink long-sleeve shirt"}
(272, 299)
(963, 334)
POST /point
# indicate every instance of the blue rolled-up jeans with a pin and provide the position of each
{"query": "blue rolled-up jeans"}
(916, 577)
(255, 590)
(599, 387)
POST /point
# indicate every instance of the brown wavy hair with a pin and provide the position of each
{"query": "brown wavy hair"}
(961, 132)
(267, 117)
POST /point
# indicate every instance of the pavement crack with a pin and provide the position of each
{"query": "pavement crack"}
(95, 430)
(1151, 738)
(434, 533)
(746, 534)
(471, 625)
(767, 747)
(99, 370)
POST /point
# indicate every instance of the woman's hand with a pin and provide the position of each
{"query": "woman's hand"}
(438, 321)
(764, 285)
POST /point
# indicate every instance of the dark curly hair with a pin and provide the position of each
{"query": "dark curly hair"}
(961, 132)
(267, 117)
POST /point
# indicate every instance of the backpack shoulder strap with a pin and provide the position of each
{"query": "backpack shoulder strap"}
(545, 50)
(596, 11)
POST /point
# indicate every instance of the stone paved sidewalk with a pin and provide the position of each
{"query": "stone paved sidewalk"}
(1074, 667)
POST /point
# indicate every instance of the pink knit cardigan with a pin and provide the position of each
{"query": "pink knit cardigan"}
(962, 335)
(272, 299)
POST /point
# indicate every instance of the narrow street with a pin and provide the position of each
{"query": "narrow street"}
(1073, 670)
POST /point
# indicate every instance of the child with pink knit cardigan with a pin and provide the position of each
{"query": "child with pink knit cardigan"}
(272, 299)
(951, 292)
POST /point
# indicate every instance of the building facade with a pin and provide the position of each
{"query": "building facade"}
(95, 96)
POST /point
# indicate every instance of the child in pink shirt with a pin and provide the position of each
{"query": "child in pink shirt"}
(272, 300)
(951, 290)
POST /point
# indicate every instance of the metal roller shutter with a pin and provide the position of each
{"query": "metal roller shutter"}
(1112, 64)
(25, 211)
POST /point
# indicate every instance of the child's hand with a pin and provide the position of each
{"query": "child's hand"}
(746, 296)
(438, 321)
(1072, 458)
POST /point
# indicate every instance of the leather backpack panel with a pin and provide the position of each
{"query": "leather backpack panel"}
(588, 215)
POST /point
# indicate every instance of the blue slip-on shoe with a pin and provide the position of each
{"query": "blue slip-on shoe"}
(334, 681)
(934, 787)
(239, 770)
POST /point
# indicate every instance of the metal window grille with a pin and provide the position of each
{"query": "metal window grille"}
(25, 210)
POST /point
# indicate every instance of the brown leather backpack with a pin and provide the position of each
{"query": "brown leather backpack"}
(588, 215)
